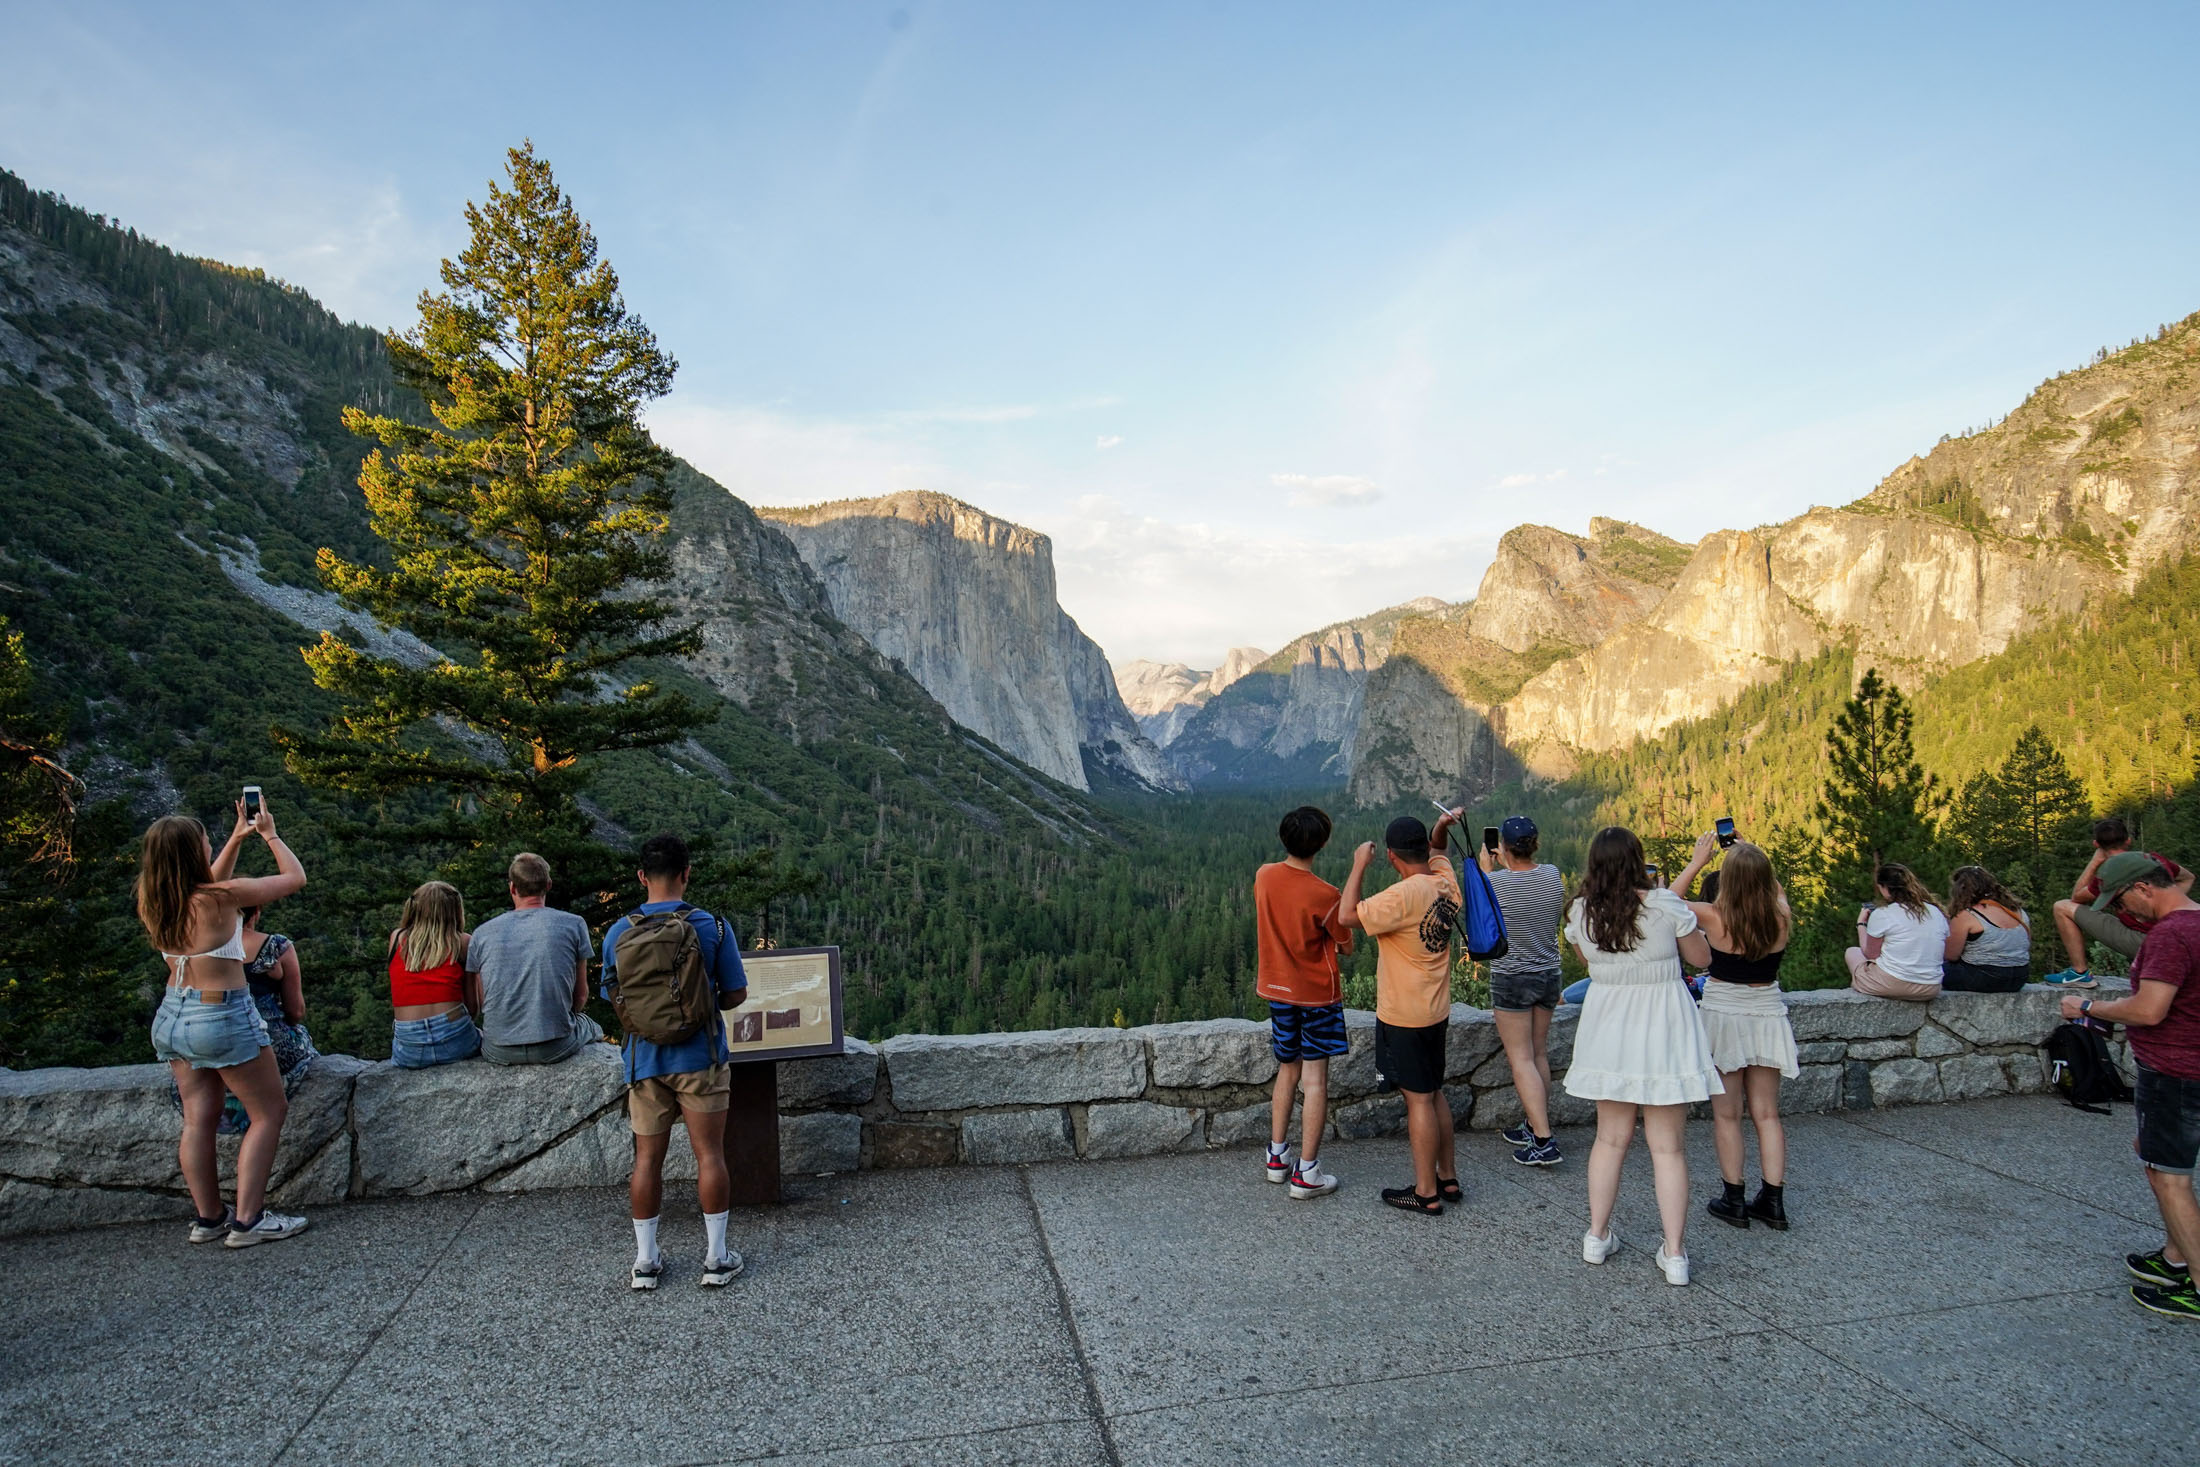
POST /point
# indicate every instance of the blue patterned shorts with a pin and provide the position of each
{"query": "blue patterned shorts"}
(1303, 1033)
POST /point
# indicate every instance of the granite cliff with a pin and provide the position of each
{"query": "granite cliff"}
(1163, 696)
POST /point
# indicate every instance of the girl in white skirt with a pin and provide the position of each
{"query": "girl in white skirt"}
(1746, 1019)
(1640, 1046)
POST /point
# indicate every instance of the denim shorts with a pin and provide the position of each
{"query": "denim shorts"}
(2169, 1120)
(1514, 992)
(415, 1044)
(208, 1036)
(1304, 1032)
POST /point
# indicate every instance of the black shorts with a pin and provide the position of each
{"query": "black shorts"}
(1410, 1059)
(2169, 1117)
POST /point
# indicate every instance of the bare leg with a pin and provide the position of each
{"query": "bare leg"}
(1279, 1104)
(645, 1190)
(2180, 1213)
(2066, 928)
(1447, 1155)
(1542, 1047)
(1726, 1126)
(1763, 1082)
(1661, 1127)
(707, 1134)
(202, 1111)
(258, 1086)
(1615, 1132)
(1518, 1029)
(1314, 1078)
(1421, 1135)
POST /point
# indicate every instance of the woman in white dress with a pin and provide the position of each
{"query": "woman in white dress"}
(1640, 1047)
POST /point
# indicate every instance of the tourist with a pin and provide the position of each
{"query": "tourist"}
(531, 975)
(2161, 1020)
(432, 998)
(1900, 940)
(271, 972)
(1295, 914)
(1411, 922)
(2081, 919)
(1640, 1047)
(1525, 983)
(1746, 920)
(1989, 947)
(207, 1027)
(671, 966)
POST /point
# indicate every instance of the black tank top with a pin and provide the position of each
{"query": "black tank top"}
(1755, 972)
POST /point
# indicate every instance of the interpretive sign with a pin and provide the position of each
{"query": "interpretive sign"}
(793, 1007)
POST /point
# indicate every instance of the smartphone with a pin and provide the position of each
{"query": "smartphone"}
(251, 803)
(1657, 877)
(1489, 839)
(1725, 827)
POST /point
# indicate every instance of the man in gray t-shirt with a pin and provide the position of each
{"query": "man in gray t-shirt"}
(1525, 982)
(528, 972)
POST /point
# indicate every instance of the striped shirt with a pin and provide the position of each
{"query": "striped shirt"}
(1533, 902)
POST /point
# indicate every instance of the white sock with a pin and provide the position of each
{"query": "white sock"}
(645, 1240)
(1276, 1149)
(1308, 1165)
(714, 1228)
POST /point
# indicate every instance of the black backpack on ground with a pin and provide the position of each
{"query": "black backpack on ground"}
(2082, 1071)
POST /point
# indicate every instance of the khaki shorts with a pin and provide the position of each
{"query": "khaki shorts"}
(2107, 929)
(652, 1105)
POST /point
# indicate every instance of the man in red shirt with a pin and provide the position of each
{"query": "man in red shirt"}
(2162, 1021)
(1295, 912)
(2082, 918)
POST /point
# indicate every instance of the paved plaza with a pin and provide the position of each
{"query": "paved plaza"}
(1952, 1291)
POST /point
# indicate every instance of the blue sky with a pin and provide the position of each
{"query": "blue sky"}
(1269, 314)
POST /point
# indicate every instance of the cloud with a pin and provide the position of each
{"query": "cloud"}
(1327, 491)
(1520, 481)
(1107, 440)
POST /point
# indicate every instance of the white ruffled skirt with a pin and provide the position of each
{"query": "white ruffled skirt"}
(1747, 1024)
(1641, 1040)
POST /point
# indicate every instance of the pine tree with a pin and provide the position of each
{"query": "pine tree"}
(1879, 803)
(523, 525)
(2025, 813)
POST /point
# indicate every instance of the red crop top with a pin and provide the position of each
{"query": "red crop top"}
(440, 984)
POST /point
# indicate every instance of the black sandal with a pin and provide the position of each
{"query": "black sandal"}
(1448, 1188)
(1408, 1200)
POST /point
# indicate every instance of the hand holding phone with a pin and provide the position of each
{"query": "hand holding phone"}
(1724, 825)
(251, 803)
(1489, 839)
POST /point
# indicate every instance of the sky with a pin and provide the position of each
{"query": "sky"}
(1269, 314)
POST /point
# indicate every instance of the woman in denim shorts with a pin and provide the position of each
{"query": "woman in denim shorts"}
(207, 1028)
(433, 1022)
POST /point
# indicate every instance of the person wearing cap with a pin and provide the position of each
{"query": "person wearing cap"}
(2161, 1020)
(1411, 921)
(2082, 920)
(1525, 982)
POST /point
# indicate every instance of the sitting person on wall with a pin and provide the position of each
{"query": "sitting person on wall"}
(1899, 940)
(1989, 947)
(432, 1012)
(528, 970)
(2081, 920)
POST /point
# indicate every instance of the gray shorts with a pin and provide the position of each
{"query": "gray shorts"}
(586, 1031)
(1514, 992)
(2107, 929)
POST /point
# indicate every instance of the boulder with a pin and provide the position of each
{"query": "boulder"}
(1816, 1088)
(1970, 1076)
(1843, 1013)
(1043, 1067)
(1821, 1052)
(324, 1178)
(1353, 1073)
(1934, 1041)
(600, 1155)
(1879, 1049)
(1471, 1039)
(459, 1125)
(1208, 1053)
(1000, 1137)
(897, 1144)
(1385, 1115)
(1140, 1128)
(823, 1141)
(848, 1078)
(1905, 1082)
(29, 1207)
(2023, 1017)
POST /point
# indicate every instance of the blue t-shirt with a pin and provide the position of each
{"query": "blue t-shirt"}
(721, 960)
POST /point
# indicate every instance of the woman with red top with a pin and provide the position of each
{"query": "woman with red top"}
(434, 1020)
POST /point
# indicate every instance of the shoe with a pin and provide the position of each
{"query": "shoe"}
(1520, 1135)
(203, 1231)
(721, 1272)
(646, 1275)
(2069, 978)
(1728, 1207)
(1279, 1167)
(1309, 1180)
(2151, 1269)
(1769, 1207)
(1407, 1200)
(1674, 1269)
(272, 1227)
(2176, 1303)
(1539, 1153)
(1595, 1249)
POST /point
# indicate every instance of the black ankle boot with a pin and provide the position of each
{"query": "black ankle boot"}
(1770, 1206)
(1729, 1208)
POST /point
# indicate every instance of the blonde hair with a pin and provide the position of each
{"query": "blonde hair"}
(429, 927)
(1749, 901)
(529, 874)
(172, 866)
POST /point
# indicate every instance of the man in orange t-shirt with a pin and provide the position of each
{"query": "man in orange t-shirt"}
(1411, 921)
(1295, 912)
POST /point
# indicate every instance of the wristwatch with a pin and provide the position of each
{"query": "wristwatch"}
(2085, 1009)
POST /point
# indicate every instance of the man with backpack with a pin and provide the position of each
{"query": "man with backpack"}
(668, 969)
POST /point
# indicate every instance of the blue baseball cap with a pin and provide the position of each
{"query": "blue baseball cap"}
(1516, 828)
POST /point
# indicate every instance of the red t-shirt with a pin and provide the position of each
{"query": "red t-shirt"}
(1296, 912)
(2090, 890)
(2171, 954)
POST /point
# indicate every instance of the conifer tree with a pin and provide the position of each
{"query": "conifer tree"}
(2026, 812)
(523, 526)
(1879, 803)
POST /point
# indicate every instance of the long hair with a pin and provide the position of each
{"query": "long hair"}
(1749, 901)
(429, 927)
(1970, 885)
(1901, 883)
(1611, 898)
(172, 866)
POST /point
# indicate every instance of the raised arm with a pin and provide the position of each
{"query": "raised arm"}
(1706, 845)
(258, 891)
(1348, 901)
(225, 859)
(1439, 835)
(2077, 888)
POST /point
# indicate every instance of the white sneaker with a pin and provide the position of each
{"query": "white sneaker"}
(1278, 1168)
(717, 1273)
(272, 1227)
(1595, 1249)
(1674, 1269)
(1309, 1180)
(645, 1275)
(212, 1232)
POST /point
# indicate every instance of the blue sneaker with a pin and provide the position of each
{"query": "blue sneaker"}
(2070, 978)
(1539, 1153)
(1519, 1135)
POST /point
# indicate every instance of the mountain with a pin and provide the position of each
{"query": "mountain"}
(965, 602)
(1163, 696)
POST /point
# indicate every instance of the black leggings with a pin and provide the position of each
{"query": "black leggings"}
(1962, 977)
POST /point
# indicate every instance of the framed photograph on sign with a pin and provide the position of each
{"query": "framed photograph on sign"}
(793, 1007)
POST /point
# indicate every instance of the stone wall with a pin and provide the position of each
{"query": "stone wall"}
(79, 1147)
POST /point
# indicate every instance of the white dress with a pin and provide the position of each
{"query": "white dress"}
(1640, 1038)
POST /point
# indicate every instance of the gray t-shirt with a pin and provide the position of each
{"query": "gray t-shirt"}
(527, 959)
(1533, 903)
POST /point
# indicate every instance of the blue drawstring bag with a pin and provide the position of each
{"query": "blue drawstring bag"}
(1480, 921)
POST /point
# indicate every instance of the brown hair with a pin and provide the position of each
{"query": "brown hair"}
(1902, 886)
(529, 874)
(172, 866)
(1749, 901)
(1611, 899)
(1968, 886)
(428, 928)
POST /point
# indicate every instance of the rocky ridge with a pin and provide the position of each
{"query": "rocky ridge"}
(1163, 696)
